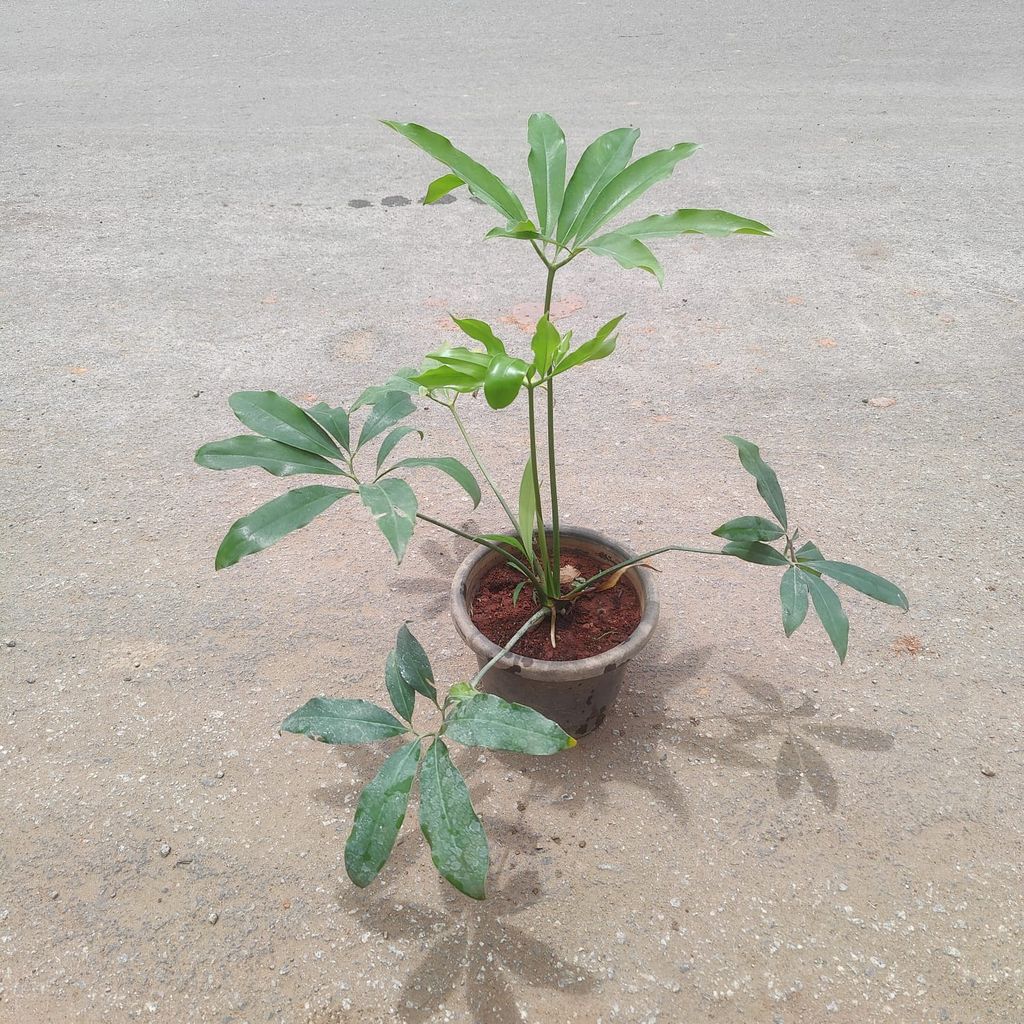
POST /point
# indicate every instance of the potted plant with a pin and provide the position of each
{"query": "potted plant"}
(553, 615)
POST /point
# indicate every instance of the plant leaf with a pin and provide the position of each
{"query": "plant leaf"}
(461, 691)
(273, 416)
(793, 595)
(527, 508)
(440, 187)
(747, 528)
(343, 720)
(767, 482)
(387, 446)
(380, 814)
(517, 590)
(488, 721)
(544, 344)
(400, 380)
(482, 332)
(599, 346)
(547, 169)
(393, 505)
(446, 464)
(458, 846)
(860, 579)
(403, 696)
(414, 665)
(631, 183)
(465, 360)
(809, 552)
(273, 456)
(830, 611)
(629, 253)
(334, 421)
(386, 412)
(690, 222)
(601, 161)
(435, 378)
(522, 229)
(503, 380)
(754, 551)
(482, 183)
(272, 521)
(504, 538)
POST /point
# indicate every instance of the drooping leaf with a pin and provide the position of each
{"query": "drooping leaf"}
(860, 579)
(690, 222)
(482, 332)
(403, 696)
(440, 187)
(343, 720)
(386, 412)
(272, 521)
(446, 464)
(482, 183)
(599, 346)
(544, 344)
(793, 596)
(523, 229)
(334, 421)
(754, 551)
(767, 482)
(527, 508)
(458, 845)
(387, 446)
(547, 169)
(488, 721)
(413, 663)
(393, 506)
(629, 253)
(748, 528)
(830, 611)
(502, 538)
(273, 456)
(503, 380)
(400, 380)
(379, 815)
(273, 416)
(630, 184)
(600, 163)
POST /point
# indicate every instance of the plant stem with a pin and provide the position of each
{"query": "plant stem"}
(481, 467)
(523, 630)
(556, 540)
(508, 555)
(639, 558)
(542, 539)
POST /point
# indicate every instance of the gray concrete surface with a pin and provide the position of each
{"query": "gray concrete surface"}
(179, 220)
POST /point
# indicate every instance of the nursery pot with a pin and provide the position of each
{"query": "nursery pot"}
(575, 694)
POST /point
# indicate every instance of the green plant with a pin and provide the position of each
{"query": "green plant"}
(458, 845)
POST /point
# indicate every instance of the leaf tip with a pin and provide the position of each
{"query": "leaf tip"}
(571, 743)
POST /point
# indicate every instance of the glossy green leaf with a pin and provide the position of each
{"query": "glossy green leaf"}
(690, 222)
(767, 482)
(482, 332)
(380, 814)
(522, 229)
(466, 360)
(503, 381)
(488, 721)
(436, 378)
(386, 412)
(502, 538)
(277, 518)
(600, 163)
(334, 421)
(547, 169)
(629, 253)
(527, 508)
(458, 846)
(273, 456)
(753, 551)
(413, 663)
(440, 187)
(393, 506)
(544, 344)
(631, 183)
(860, 579)
(400, 380)
(601, 345)
(748, 528)
(343, 720)
(273, 416)
(830, 611)
(387, 446)
(482, 183)
(793, 595)
(403, 696)
(446, 464)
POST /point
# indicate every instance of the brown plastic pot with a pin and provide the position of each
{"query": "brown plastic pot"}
(575, 694)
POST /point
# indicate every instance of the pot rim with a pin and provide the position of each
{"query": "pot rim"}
(560, 671)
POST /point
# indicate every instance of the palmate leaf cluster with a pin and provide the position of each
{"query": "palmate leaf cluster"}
(458, 845)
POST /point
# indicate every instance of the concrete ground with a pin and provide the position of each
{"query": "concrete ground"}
(197, 199)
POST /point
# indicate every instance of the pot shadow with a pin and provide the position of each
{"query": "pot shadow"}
(443, 558)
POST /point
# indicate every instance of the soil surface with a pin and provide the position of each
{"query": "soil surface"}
(595, 623)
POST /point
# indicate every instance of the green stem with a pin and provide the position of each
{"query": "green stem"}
(481, 467)
(556, 539)
(542, 539)
(638, 558)
(523, 630)
(508, 555)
